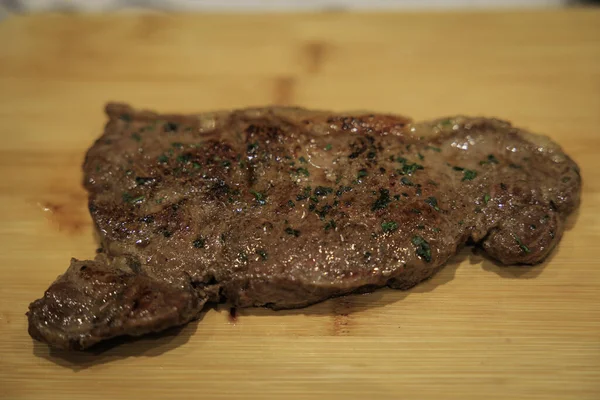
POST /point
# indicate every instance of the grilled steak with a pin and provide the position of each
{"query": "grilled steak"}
(285, 207)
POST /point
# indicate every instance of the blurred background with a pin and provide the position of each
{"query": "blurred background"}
(21, 6)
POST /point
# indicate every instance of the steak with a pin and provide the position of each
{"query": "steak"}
(285, 207)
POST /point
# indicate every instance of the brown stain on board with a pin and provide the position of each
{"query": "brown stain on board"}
(341, 310)
(314, 54)
(68, 214)
(283, 90)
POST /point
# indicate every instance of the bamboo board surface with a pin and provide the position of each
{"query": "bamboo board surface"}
(476, 330)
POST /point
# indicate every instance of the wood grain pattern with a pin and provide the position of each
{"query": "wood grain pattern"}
(475, 331)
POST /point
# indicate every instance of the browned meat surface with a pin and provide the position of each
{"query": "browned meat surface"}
(285, 207)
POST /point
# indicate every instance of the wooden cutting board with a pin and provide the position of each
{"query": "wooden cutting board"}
(475, 331)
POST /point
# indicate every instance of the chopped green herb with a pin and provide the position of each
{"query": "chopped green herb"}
(490, 160)
(303, 171)
(421, 227)
(252, 147)
(486, 198)
(184, 158)
(128, 198)
(302, 160)
(406, 182)
(433, 148)
(136, 136)
(328, 147)
(446, 122)
(199, 243)
(226, 163)
(305, 194)
(196, 165)
(125, 117)
(524, 248)
(362, 173)
(389, 226)
(367, 254)
(314, 199)
(291, 203)
(469, 175)
(566, 179)
(259, 197)
(262, 254)
(461, 222)
(436, 230)
(397, 197)
(423, 249)
(409, 169)
(515, 166)
(415, 211)
(170, 127)
(163, 158)
(330, 225)
(142, 181)
(421, 157)
(383, 200)
(293, 232)
(323, 190)
(432, 201)
(177, 145)
(371, 155)
(532, 227)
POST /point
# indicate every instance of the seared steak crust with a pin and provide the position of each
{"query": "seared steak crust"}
(285, 207)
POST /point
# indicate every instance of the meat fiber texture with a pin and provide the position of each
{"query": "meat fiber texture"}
(285, 207)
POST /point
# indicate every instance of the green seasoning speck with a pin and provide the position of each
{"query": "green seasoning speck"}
(128, 198)
(305, 194)
(515, 166)
(142, 181)
(446, 122)
(170, 127)
(433, 148)
(405, 181)
(423, 250)
(409, 169)
(302, 160)
(490, 160)
(323, 191)
(199, 243)
(163, 158)
(330, 225)
(136, 137)
(486, 198)
(371, 155)
(469, 175)
(293, 232)
(421, 157)
(383, 200)
(252, 147)
(361, 173)
(303, 171)
(328, 147)
(125, 117)
(262, 254)
(521, 245)
(432, 201)
(196, 165)
(259, 197)
(389, 226)
(290, 203)
(177, 145)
